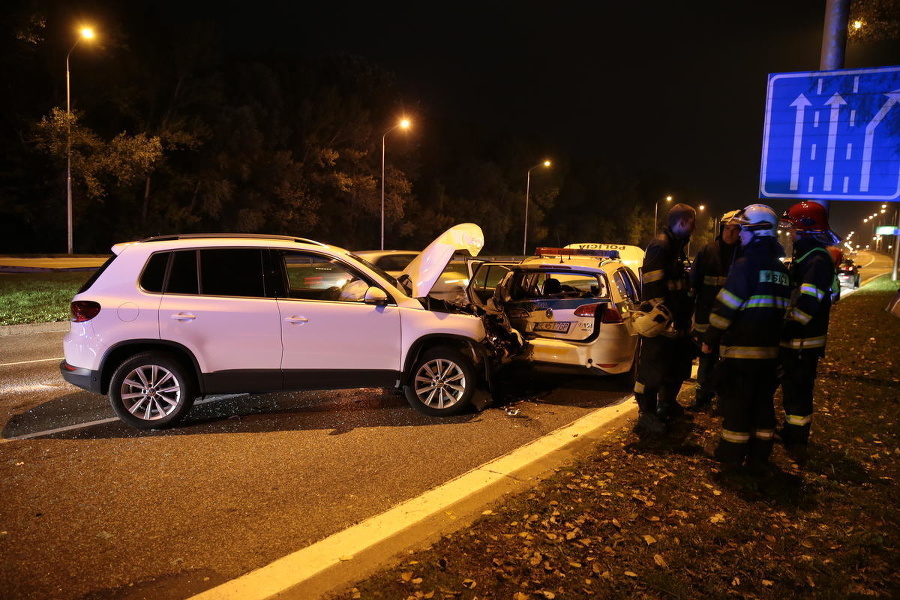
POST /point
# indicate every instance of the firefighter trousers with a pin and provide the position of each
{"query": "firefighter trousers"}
(798, 379)
(706, 380)
(663, 364)
(746, 404)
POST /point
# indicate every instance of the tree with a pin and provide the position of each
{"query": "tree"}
(97, 165)
(879, 20)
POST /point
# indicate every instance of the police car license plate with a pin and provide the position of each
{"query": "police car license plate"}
(556, 326)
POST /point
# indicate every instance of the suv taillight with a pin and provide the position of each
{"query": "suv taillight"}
(84, 310)
(610, 313)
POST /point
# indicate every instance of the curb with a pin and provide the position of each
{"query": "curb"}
(7, 330)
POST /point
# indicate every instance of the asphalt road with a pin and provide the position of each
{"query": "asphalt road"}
(94, 509)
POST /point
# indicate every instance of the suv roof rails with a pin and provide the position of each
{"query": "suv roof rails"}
(257, 236)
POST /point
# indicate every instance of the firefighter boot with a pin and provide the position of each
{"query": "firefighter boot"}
(758, 452)
(702, 401)
(648, 423)
(668, 408)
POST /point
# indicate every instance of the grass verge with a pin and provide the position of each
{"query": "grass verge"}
(659, 519)
(38, 297)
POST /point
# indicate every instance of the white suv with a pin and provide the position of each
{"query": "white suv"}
(168, 319)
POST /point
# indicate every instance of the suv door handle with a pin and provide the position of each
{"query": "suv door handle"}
(297, 320)
(183, 316)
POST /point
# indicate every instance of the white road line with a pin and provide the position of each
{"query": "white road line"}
(87, 424)
(61, 429)
(295, 569)
(28, 362)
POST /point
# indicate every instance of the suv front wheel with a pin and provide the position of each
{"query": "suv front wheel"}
(151, 390)
(443, 382)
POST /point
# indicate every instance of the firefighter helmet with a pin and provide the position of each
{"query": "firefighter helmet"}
(727, 217)
(806, 216)
(759, 219)
(810, 218)
(651, 319)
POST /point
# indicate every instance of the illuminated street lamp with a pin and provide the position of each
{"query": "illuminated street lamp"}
(403, 124)
(656, 214)
(86, 33)
(546, 163)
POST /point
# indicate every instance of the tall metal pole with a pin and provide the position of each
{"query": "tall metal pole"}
(896, 250)
(655, 216)
(527, 189)
(404, 124)
(383, 138)
(70, 244)
(834, 34)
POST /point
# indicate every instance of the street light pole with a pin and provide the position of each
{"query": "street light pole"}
(546, 163)
(86, 33)
(656, 214)
(404, 123)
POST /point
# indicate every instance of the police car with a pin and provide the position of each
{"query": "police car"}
(571, 305)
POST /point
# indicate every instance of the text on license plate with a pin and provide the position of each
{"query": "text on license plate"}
(557, 326)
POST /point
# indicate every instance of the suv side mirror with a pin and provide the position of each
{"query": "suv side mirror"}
(375, 295)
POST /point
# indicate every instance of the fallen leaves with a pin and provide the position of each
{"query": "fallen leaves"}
(635, 515)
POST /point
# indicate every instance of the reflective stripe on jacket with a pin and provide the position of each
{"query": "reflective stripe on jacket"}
(749, 309)
(812, 271)
(664, 278)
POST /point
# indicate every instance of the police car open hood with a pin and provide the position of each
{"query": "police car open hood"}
(422, 273)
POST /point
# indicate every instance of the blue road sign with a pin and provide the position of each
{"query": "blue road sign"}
(832, 135)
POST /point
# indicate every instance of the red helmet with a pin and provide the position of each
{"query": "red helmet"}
(807, 216)
(810, 218)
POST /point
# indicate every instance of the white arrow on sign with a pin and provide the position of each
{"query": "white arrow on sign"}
(800, 104)
(835, 102)
(893, 98)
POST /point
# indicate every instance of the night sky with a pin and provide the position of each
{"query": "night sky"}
(678, 87)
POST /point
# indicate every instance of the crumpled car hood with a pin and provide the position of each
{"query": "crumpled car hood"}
(425, 269)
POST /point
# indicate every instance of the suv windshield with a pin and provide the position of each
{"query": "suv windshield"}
(381, 272)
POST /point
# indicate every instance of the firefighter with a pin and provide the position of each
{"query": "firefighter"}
(806, 321)
(707, 277)
(745, 328)
(666, 353)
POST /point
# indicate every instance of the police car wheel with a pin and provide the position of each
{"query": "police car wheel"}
(442, 382)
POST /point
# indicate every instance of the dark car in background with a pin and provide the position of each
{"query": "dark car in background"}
(848, 273)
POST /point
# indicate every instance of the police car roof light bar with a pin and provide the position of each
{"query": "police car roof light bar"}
(576, 252)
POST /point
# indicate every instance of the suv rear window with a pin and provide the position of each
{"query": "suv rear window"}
(183, 274)
(154, 274)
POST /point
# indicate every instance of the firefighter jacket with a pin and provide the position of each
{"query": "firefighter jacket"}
(708, 275)
(747, 316)
(665, 279)
(812, 273)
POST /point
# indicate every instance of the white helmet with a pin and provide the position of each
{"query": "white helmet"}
(759, 219)
(651, 319)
